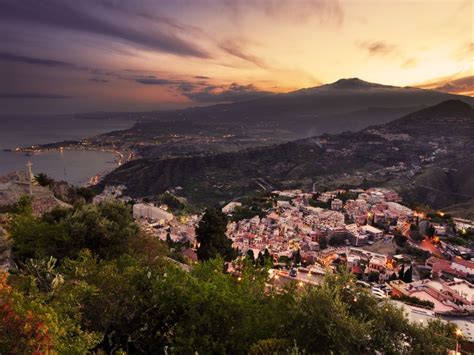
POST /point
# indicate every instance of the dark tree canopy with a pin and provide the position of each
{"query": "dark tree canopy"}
(407, 276)
(212, 238)
(43, 180)
(112, 291)
(106, 229)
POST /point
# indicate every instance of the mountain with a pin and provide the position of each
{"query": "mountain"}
(345, 84)
(426, 155)
(345, 105)
(314, 109)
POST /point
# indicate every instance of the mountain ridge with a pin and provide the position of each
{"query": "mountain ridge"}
(384, 155)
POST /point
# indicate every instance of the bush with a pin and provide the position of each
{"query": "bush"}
(414, 301)
(400, 239)
(106, 229)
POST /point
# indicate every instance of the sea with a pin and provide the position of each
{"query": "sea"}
(73, 166)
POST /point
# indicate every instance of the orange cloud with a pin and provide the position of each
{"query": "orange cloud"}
(454, 85)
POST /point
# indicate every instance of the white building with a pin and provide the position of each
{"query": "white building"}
(375, 233)
(230, 207)
(151, 213)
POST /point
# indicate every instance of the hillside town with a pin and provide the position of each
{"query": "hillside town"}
(398, 253)
(419, 260)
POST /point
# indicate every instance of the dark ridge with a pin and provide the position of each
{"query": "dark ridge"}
(352, 83)
(448, 108)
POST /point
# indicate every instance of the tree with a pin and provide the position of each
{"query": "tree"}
(337, 240)
(106, 229)
(43, 180)
(323, 243)
(270, 346)
(401, 272)
(430, 231)
(297, 257)
(374, 276)
(86, 193)
(268, 258)
(407, 277)
(169, 241)
(416, 235)
(260, 259)
(393, 277)
(400, 239)
(250, 255)
(23, 206)
(212, 238)
(29, 326)
(138, 301)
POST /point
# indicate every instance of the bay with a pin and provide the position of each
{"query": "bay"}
(74, 166)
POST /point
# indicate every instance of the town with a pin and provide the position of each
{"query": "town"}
(420, 260)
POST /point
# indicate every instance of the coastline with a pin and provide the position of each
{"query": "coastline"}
(120, 157)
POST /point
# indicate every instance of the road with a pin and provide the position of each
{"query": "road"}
(428, 246)
(425, 244)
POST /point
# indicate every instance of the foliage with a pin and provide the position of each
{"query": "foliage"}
(247, 212)
(407, 276)
(374, 276)
(21, 331)
(212, 238)
(270, 346)
(99, 285)
(28, 326)
(316, 203)
(416, 235)
(106, 229)
(337, 240)
(418, 253)
(43, 180)
(430, 230)
(23, 206)
(323, 243)
(86, 193)
(252, 206)
(457, 240)
(414, 300)
(399, 238)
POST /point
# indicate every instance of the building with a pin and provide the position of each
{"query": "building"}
(230, 207)
(336, 204)
(151, 213)
(463, 224)
(447, 297)
(372, 232)
(464, 266)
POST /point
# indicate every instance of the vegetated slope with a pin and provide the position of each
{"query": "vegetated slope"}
(425, 155)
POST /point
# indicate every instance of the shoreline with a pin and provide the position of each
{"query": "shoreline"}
(121, 157)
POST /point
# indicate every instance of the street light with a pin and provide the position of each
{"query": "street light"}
(458, 335)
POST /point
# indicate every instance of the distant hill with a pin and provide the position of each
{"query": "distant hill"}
(345, 105)
(329, 108)
(426, 155)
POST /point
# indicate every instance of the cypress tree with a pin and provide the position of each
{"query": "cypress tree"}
(212, 238)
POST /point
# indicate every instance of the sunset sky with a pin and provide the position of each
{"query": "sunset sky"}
(78, 56)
